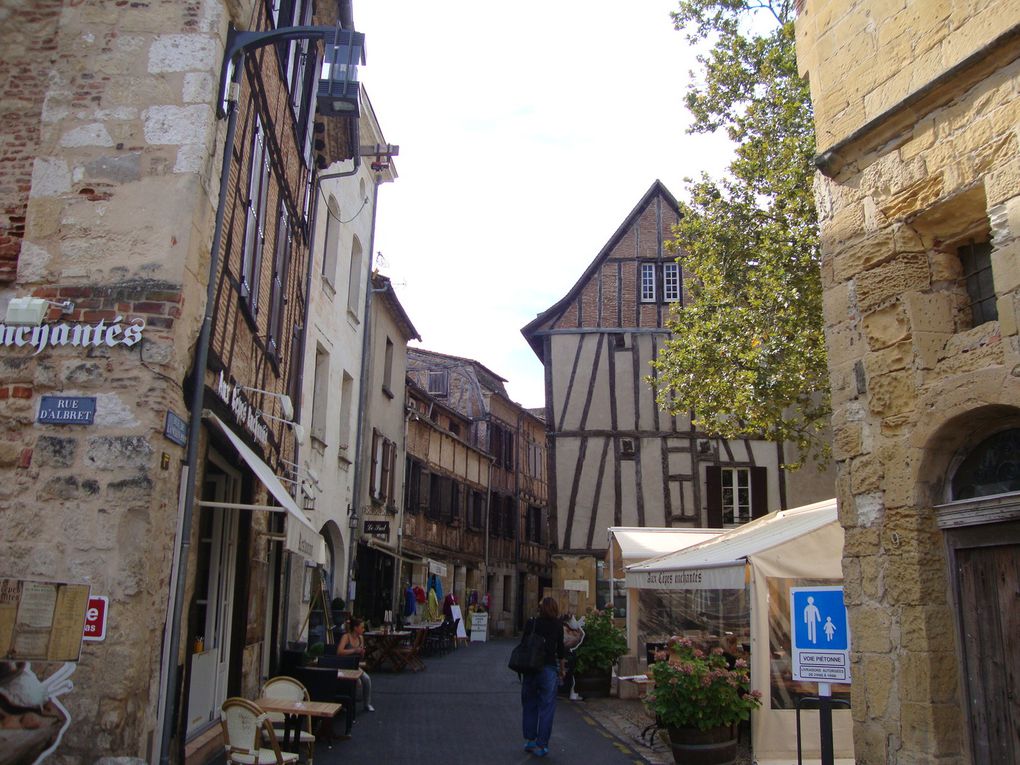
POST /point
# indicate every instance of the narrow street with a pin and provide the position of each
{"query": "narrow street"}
(464, 709)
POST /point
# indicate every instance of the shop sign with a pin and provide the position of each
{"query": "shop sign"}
(67, 410)
(175, 428)
(95, 618)
(247, 417)
(75, 335)
(379, 528)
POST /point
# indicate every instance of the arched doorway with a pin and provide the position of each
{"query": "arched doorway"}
(981, 525)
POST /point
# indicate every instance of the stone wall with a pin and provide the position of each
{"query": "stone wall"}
(916, 118)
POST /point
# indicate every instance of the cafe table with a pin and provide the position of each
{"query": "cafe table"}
(293, 710)
(381, 647)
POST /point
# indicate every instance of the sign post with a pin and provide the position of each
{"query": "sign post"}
(820, 633)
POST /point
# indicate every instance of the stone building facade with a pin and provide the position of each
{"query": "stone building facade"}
(918, 190)
(109, 189)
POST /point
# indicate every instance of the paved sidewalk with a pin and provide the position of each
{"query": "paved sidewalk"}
(464, 709)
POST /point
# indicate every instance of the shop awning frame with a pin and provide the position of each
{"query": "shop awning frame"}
(302, 537)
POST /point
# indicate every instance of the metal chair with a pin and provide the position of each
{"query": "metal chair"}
(245, 728)
(283, 687)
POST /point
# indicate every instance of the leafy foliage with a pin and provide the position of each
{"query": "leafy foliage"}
(747, 353)
(604, 643)
(695, 689)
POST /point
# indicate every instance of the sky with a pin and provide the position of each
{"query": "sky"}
(528, 131)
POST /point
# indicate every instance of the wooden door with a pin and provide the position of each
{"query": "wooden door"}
(987, 578)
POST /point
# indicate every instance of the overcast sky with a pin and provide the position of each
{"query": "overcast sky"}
(527, 132)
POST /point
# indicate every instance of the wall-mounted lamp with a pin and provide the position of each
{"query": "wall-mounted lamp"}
(299, 431)
(286, 406)
(30, 311)
(338, 93)
(353, 520)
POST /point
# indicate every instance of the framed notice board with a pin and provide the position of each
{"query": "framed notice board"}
(42, 621)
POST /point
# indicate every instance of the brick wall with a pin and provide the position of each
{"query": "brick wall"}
(29, 51)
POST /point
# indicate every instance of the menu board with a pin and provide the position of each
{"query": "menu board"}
(41, 621)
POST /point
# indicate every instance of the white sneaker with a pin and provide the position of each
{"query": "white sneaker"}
(369, 708)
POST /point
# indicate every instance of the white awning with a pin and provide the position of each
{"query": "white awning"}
(720, 563)
(637, 544)
(302, 537)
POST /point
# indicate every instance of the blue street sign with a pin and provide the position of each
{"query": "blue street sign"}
(819, 619)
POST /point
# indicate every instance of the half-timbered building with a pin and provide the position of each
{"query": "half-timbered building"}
(615, 458)
(517, 520)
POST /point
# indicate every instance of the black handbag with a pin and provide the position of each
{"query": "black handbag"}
(528, 656)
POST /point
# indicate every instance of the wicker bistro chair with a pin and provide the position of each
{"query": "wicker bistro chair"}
(245, 729)
(283, 687)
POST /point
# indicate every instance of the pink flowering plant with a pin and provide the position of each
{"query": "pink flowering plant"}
(697, 689)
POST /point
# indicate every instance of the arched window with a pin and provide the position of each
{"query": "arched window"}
(332, 246)
(993, 467)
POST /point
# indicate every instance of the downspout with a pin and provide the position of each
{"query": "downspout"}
(398, 564)
(362, 392)
(195, 432)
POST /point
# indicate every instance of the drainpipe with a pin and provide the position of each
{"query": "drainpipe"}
(366, 353)
(194, 434)
(397, 594)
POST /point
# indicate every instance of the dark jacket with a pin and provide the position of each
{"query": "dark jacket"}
(552, 631)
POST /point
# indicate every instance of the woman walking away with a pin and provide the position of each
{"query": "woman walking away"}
(353, 644)
(538, 691)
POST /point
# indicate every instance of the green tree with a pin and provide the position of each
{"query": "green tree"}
(747, 351)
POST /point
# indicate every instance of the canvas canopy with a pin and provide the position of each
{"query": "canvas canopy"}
(761, 560)
(632, 544)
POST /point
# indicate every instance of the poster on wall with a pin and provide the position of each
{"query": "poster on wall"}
(42, 621)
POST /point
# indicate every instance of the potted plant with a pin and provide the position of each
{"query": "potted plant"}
(604, 643)
(699, 699)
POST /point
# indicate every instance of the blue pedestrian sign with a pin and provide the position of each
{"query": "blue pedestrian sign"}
(820, 633)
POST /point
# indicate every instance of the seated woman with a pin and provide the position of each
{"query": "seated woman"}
(352, 643)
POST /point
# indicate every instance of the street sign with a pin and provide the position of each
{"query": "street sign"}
(820, 633)
(95, 618)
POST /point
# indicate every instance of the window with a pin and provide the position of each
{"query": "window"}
(434, 509)
(533, 528)
(671, 282)
(510, 517)
(438, 382)
(320, 395)
(354, 279)
(976, 259)
(647, 282)
(255, 217)
(346, 401)
(495, 515)
(501, 446)
(476, 517)
(281, 262)
(413, 481)
(332, 246)
(735, 494)
(456, 497)
(384, 459)
(295, 71)
(387, 381)
(508, 585)
(993, 467)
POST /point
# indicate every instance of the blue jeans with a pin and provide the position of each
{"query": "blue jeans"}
(538, 698)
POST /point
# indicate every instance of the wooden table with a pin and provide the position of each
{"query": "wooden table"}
(293, 711)
(381, 646)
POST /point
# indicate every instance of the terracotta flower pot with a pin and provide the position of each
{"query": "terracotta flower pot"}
(691, 746)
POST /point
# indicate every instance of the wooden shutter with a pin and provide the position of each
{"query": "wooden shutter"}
(759, 492)
(713, 493)
(373, 485)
